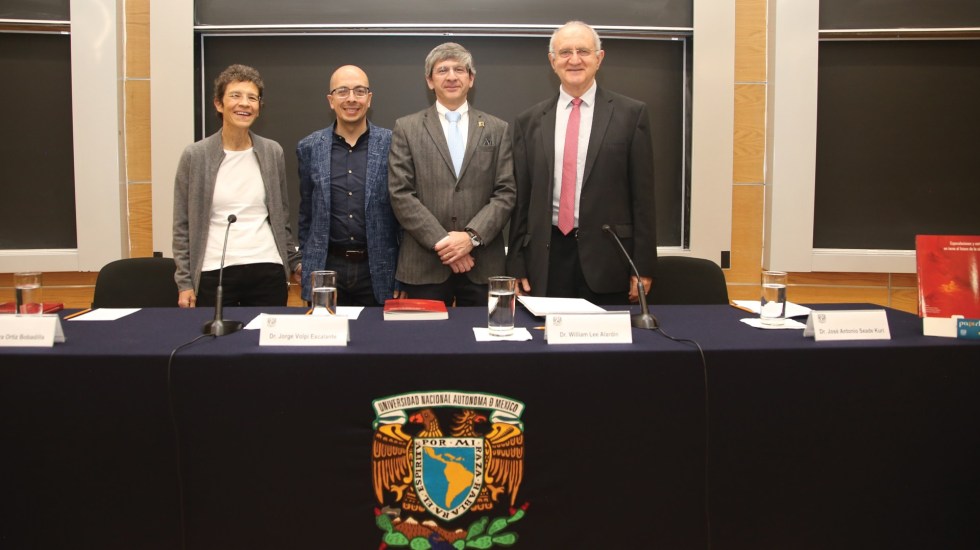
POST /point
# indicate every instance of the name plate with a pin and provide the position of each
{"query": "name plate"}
(304, 330)
(612, 327)
(30, 331)
(858, 324)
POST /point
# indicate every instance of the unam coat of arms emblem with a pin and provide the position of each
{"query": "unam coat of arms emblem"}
(441, 455)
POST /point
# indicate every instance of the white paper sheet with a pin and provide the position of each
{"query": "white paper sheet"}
(789, 323)
(106, 314)
(792, 310)
(540, 307)
(482, 334)
(351, 312)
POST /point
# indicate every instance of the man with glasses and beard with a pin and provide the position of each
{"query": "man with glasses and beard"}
(345, 219)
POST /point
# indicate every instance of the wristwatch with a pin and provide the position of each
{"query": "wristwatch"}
(475, 239)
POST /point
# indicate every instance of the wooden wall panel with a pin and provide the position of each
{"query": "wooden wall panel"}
(744, 291)
(905, 279)
(74, 290)
(905, 299)
(140, 220)
(55, 278)
(842, 279)
(749, 133)
(747, 205)
(138, 131)
(905, 292)
(836, 294)
(138, 38)
(750, 40)
(73, 297)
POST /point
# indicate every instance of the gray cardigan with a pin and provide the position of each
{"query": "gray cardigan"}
(194, 191)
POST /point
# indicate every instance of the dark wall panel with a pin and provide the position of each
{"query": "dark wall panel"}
(45, 10)
(891, 14)
(660, 13)
(897, 142)
(37, 175)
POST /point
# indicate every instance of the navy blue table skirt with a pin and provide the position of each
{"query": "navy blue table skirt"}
(796, 444)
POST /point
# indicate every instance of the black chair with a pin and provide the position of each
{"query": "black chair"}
(683, 280)
(136, 282)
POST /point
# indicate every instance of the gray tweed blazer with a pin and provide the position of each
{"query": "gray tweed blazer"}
(429, 200)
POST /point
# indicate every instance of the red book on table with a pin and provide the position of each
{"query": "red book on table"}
(413, 309)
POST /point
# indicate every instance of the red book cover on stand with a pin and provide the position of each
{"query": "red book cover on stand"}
(949, 275)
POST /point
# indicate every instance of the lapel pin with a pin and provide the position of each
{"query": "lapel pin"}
(481, 124)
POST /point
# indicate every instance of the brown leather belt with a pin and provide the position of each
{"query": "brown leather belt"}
(350, 254)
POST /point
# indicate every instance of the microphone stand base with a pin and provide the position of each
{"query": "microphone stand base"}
(645, 321)
(221, 327)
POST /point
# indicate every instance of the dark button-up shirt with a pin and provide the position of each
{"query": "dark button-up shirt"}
(348, 171)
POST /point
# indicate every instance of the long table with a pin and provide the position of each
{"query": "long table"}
(774, 441)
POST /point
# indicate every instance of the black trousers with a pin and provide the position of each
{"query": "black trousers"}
(354, 287)
(566, 278)
(245, 285)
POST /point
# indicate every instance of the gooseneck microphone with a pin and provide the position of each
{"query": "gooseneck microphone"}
(642, 319)
(219, 326)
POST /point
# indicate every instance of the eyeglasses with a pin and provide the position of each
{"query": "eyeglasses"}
(344, 91)
(237, 96)
(458, 70)
(582, 52)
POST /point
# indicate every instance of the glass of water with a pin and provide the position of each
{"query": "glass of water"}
(501, 300)
(324, 293)
(27, 291)
(772, 307)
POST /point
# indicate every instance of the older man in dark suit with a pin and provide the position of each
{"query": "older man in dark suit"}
(451, 180)
(581, 161)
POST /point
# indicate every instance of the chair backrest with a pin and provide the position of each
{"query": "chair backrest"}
(136, 282)
(684, 280)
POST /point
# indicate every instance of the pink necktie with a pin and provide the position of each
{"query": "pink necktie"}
(569, 170)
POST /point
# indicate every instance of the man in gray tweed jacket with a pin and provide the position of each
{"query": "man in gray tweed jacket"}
(451, 179)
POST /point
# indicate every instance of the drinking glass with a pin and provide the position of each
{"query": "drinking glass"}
(27, 291)
(324, 293)
(772, 306)
(501, 300)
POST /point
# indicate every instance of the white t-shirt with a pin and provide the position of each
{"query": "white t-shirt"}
(239, 190)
